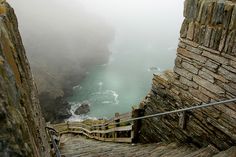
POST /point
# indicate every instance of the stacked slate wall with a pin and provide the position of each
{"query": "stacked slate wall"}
(205, 71)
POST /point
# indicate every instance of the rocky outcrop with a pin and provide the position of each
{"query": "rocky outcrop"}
(55, 110)
(83, 109)
(204, 71)
(22, 131)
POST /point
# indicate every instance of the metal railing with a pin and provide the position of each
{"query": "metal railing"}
(53, 135)
(99, 131)
(223, 102)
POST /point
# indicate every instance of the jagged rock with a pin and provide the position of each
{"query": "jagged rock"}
(51, 114)
(22, 131)
(84, 108)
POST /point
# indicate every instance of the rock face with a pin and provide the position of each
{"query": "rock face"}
(204, 71)
(55, 110)
(22, 131)
(83, 109)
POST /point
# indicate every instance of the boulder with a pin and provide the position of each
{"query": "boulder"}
(83, 109)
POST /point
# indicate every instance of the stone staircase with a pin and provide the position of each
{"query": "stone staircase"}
(80, 146)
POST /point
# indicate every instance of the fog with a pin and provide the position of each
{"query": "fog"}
(82, 30)
(64, 39)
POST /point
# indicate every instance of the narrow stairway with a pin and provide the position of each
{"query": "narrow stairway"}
(80, 146)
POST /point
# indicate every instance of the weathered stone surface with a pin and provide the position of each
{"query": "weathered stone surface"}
(229, 68)
(206, 76)
(215, 75)
(190, 9)
(193, 49)
(198, 94)
(209, 50)
(188, 42)
(229, 42)
(181, 44)
(72, 145)
(190, 32)
(226, 87)
(207, 38)
(190, 67)
(231, 152)
(222, 40)
(208, 93)
(22, 131)
(183, 73)
(178, 62)
(191, 55)
(233, 19)
(218, 13)
(217, 38)
(228, 9)
(216, 58)
(205, 70)
(82, 109)
(227, 74)
(211, 64)
(208, 85)
(187, 82)
(184, 29)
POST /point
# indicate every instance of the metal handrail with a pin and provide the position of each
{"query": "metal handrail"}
(223, 102)
(168, 112)
(56, 149)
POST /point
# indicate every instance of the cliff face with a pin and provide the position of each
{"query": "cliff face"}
(204, 71)
(22, 130)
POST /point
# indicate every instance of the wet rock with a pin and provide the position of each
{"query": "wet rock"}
(54, 110)
(83, 109)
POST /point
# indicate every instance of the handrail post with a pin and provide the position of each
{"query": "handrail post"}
(67, 125)
(182, 119)
(106, 128)
(136, 124)
(117, 124)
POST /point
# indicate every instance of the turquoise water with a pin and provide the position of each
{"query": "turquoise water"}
(125, 80)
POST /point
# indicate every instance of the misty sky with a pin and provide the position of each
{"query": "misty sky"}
(143, 17)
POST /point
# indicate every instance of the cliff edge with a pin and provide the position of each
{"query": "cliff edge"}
(22, 131)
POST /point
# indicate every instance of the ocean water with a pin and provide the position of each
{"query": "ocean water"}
(145, 43)
(124, 81)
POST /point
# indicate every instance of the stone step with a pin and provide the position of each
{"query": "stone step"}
(79, 146)
(231, 152)
(204, 152)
